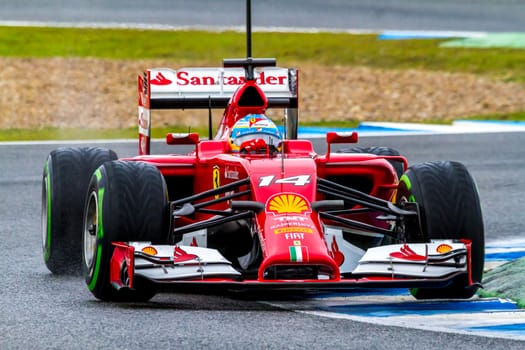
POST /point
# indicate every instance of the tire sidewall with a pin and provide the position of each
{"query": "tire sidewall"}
(96, 272)
(47, 211)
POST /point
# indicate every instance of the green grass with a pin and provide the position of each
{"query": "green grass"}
(89, 134)
(333, 123)
(492, 294)
(288, 48)
(519, 117)
(209, 48)
(127, 133)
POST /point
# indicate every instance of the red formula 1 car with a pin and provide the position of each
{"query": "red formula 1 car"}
(254, 207)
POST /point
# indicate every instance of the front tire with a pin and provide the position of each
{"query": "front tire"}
(126, 201)
(450, 209)
(64, 183)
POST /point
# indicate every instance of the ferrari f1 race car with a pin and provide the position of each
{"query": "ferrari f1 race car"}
(254, 207)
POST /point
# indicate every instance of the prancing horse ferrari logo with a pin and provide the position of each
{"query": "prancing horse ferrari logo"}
(216, 179)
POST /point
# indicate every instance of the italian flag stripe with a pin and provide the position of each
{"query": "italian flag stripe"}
(298, 254)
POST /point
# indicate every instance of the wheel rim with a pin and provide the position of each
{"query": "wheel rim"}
(90, 229)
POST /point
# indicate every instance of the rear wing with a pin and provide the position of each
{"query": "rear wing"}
(202, 88)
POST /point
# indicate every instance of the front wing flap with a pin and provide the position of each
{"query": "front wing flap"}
(421, 260)
(165, 263)
(413, 265)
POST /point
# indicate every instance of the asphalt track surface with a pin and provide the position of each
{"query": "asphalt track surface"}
(40, 310)
(447, 15)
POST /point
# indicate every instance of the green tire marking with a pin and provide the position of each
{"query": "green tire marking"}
(98, 174)
(47, 246)
(408, 184)
(100, 227)
(406, 180)
(93, 283)
(100, 234)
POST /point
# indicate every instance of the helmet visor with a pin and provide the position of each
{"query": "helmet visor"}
(271, 140)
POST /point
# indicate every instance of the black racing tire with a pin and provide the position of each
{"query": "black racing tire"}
(450, 208)
(126, 201)
(379, 151)
(65, 180)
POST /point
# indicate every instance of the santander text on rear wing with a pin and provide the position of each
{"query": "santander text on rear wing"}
(201, 88)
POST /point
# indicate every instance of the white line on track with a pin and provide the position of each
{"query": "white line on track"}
(241, 29)
(438, 323)
(69, 142)
(146, 26)
(484, 322)
(368, 129)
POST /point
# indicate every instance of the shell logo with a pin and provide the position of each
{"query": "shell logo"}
(149, 250)
(288, 203)
(443, 248)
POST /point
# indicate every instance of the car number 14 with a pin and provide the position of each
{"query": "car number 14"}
(299, 180)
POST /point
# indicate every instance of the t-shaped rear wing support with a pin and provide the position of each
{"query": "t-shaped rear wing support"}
(249, 64)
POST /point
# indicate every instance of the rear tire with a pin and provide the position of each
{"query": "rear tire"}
(65, 180)
(127, 201)
(450, 209)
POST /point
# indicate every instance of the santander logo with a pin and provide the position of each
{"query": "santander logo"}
(184, 78)
(160, 79)
(207, 77)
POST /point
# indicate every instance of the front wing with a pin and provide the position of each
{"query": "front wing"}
(414, 265)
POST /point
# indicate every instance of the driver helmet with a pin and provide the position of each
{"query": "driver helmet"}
(253, 127)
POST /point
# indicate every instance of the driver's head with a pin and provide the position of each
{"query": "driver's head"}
(254, 127)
